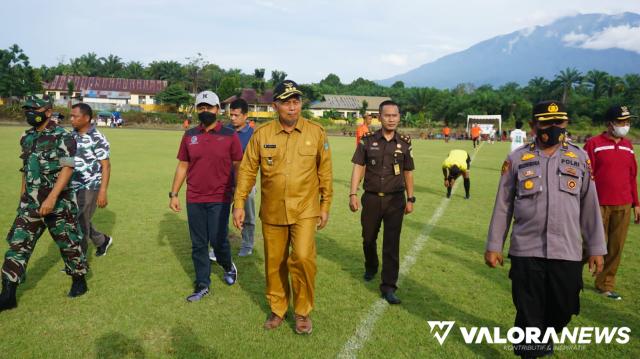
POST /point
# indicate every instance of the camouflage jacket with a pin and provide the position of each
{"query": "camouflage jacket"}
(43, 155)
(93, 147)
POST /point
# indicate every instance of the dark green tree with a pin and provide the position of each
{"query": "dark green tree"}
(175, 95)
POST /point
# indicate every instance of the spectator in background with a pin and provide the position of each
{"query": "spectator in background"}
(446, 131)
(615, 171)
(238, 113)
(363, 128)
(518, 136)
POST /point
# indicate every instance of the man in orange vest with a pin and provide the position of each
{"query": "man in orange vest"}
(364, 128)
(475, 134)
(446, 131)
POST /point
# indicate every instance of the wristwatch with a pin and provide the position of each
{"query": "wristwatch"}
(412, 199)
(173, 194)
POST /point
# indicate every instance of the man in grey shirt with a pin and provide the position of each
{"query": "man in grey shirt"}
(547, 189)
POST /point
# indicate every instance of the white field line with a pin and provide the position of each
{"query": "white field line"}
(364, 329)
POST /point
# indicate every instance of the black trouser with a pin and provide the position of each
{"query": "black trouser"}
(546, 293)
(376, 210)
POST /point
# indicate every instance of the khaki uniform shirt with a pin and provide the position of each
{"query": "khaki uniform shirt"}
(553, 203)
(295, 172)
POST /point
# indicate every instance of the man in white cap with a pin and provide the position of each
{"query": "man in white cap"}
(206, 157)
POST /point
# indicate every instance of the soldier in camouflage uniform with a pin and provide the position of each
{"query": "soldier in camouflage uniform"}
(46, 202)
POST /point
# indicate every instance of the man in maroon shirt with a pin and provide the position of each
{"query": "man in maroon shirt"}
(206, 156)
(615, 170)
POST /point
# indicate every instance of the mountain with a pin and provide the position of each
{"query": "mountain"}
(608, 43)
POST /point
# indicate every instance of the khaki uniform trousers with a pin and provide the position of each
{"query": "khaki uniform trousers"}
(616, 222)
(300, 262)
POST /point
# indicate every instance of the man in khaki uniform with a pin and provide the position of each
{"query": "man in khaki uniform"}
(294, 160)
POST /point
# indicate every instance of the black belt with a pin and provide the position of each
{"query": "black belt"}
(382, 194)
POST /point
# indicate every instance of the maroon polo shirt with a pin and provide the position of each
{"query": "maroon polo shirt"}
(614, 170)
(210, 156)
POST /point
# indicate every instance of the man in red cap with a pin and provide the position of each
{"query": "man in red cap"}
(615, 171)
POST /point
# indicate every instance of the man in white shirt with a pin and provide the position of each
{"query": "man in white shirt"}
(518, 137)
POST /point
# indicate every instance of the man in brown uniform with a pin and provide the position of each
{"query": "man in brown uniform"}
(294, 160)
(384, 158)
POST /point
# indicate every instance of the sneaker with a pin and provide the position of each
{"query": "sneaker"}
(212, 255)
(244, 252)
(198, 293)
(612, 295)
(467, 197)
(231, 276)
(102, 250)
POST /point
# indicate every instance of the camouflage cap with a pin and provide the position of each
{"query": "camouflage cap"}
(36, 102)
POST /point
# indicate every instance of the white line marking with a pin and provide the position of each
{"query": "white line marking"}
(364, 329)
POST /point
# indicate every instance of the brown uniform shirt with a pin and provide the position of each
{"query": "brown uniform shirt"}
(384, 160)
(295, 172)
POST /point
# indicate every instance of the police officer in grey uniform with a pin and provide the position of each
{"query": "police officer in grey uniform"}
(547, 189)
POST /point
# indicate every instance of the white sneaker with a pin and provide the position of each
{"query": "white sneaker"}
(212, 255)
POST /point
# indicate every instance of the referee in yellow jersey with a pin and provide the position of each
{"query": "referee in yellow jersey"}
(457, 163)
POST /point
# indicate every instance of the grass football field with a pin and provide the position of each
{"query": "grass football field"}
(136, 307)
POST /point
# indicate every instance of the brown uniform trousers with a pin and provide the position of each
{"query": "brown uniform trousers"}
(616, 222)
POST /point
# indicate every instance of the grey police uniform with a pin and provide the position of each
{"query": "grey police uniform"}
(556, 223)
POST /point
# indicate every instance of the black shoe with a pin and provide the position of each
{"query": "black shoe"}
(102, 250)
(368, 276)
(448, 195)
(8, 295)
(391, 298)
(78, 286)
(467, 197)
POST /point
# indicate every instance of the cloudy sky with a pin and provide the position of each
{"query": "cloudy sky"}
(373, 39)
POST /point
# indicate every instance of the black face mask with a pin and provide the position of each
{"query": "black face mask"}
(207, 118)
(551, 136)
(35, 118)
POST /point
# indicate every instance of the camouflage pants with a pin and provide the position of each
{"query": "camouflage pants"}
(29, 226)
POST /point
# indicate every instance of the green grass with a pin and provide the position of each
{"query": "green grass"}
(136, 303)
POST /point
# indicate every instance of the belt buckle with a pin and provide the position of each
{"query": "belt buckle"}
(380, 194)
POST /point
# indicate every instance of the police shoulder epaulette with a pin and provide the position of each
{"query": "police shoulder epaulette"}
(365, 135)
(532, 145)
(406, 138)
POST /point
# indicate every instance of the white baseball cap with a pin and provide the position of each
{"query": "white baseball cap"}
(208, 97)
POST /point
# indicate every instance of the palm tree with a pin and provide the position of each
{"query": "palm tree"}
(112, 65)
(537, 88)
(613, 84)
(596, 80)
(567, 79)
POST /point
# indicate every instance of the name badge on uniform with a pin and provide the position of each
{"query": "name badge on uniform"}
(396, 169)
(268, 145)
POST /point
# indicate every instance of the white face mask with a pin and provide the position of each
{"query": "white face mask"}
(620, 131)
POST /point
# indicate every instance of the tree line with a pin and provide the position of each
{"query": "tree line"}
(586, 94)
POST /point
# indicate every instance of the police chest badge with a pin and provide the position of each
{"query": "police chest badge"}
(571, 184)
(528, 184)
(570, 154)
(527, 156)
